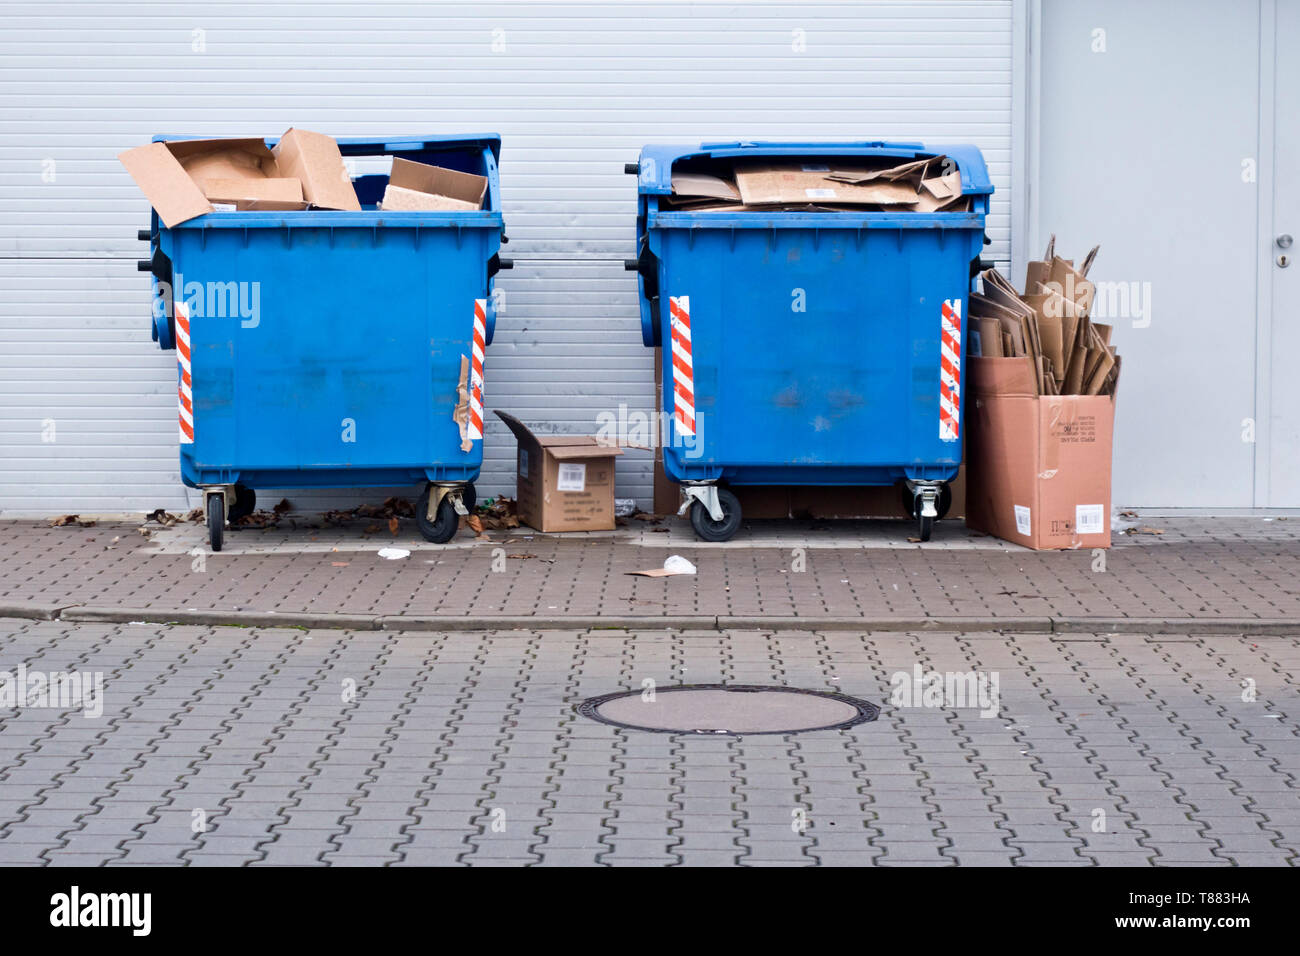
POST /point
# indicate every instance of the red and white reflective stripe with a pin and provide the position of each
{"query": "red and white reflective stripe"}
(679, 311)
(950, 371)
(475, 428)
(186, 391)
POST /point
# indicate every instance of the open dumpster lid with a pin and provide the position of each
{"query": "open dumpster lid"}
(657, 161)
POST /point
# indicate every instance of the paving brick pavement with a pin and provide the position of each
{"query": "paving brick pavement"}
(1226, 571)
(225, 746)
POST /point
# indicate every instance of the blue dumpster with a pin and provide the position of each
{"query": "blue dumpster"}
(332, 349)
(807, 346)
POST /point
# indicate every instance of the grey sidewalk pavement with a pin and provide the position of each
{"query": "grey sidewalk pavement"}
(244, 746)
(1231, 575)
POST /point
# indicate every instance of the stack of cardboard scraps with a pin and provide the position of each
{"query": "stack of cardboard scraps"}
(818, 184)
(188, 178)
(1049, 324)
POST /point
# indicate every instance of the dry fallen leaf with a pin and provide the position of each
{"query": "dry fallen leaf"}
(1145, 530)
(392, 526)
(475, 524)
(282, 507)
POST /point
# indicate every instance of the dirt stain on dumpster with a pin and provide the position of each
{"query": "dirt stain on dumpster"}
(788, 397)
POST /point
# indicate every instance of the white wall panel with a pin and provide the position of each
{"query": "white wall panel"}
(575, 92)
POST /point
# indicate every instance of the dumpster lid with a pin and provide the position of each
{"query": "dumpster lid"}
(657, 160)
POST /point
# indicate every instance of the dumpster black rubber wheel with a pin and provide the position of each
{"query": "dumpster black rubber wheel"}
(245, 503)
(709, 530)
(910, 500)
(924, 527)
(444, 527)
(469, 496)
(216, 521)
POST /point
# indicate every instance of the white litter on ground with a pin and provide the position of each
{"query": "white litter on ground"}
(676, 564)
(393, 554)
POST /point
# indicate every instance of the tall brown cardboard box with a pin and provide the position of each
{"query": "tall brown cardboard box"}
(1038, 465)
(565, 482)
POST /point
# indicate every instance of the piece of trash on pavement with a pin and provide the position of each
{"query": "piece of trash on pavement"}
(675, 564)
(393, 554)
(624, 507)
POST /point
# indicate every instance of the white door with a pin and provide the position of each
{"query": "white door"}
(1280, 220)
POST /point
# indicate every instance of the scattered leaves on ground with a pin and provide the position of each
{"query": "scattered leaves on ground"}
(63, 521)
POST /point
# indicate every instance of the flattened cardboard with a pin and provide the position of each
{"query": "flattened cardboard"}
(168, 187)
(1063, 278)
(315, 160)
(911, 172)
(564, 482)
(766, 184)
(704, 185)
(248, 189)
(270, 205)
(401, 199)
(414, 186)
(1040, 465)
(944, 187)
(990, 332)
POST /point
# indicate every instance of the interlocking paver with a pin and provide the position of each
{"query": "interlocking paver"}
(464, 749)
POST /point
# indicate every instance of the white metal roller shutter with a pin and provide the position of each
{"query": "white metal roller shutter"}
(575, 90)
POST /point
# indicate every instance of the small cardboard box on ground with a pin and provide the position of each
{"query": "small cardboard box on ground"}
(1039, 464)
(565, 482)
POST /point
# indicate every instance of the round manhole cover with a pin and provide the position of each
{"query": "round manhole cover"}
(728, 709)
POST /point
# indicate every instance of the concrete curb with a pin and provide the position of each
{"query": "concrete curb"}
(216, 618)
(29, 610)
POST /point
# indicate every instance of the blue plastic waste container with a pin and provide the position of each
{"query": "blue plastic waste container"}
(807, 347)
(332, 349)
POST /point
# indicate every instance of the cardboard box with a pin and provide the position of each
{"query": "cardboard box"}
(419, 186)
(172, 175)
(314, 159)
(565, 482)
(279, 190)
(1040, 465)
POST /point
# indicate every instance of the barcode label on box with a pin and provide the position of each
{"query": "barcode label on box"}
(523, 463)
(1089, 519)
(1022, 519)
(573, 477)
(820, 193)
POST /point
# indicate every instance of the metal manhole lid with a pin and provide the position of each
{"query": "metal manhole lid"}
(729, 709)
